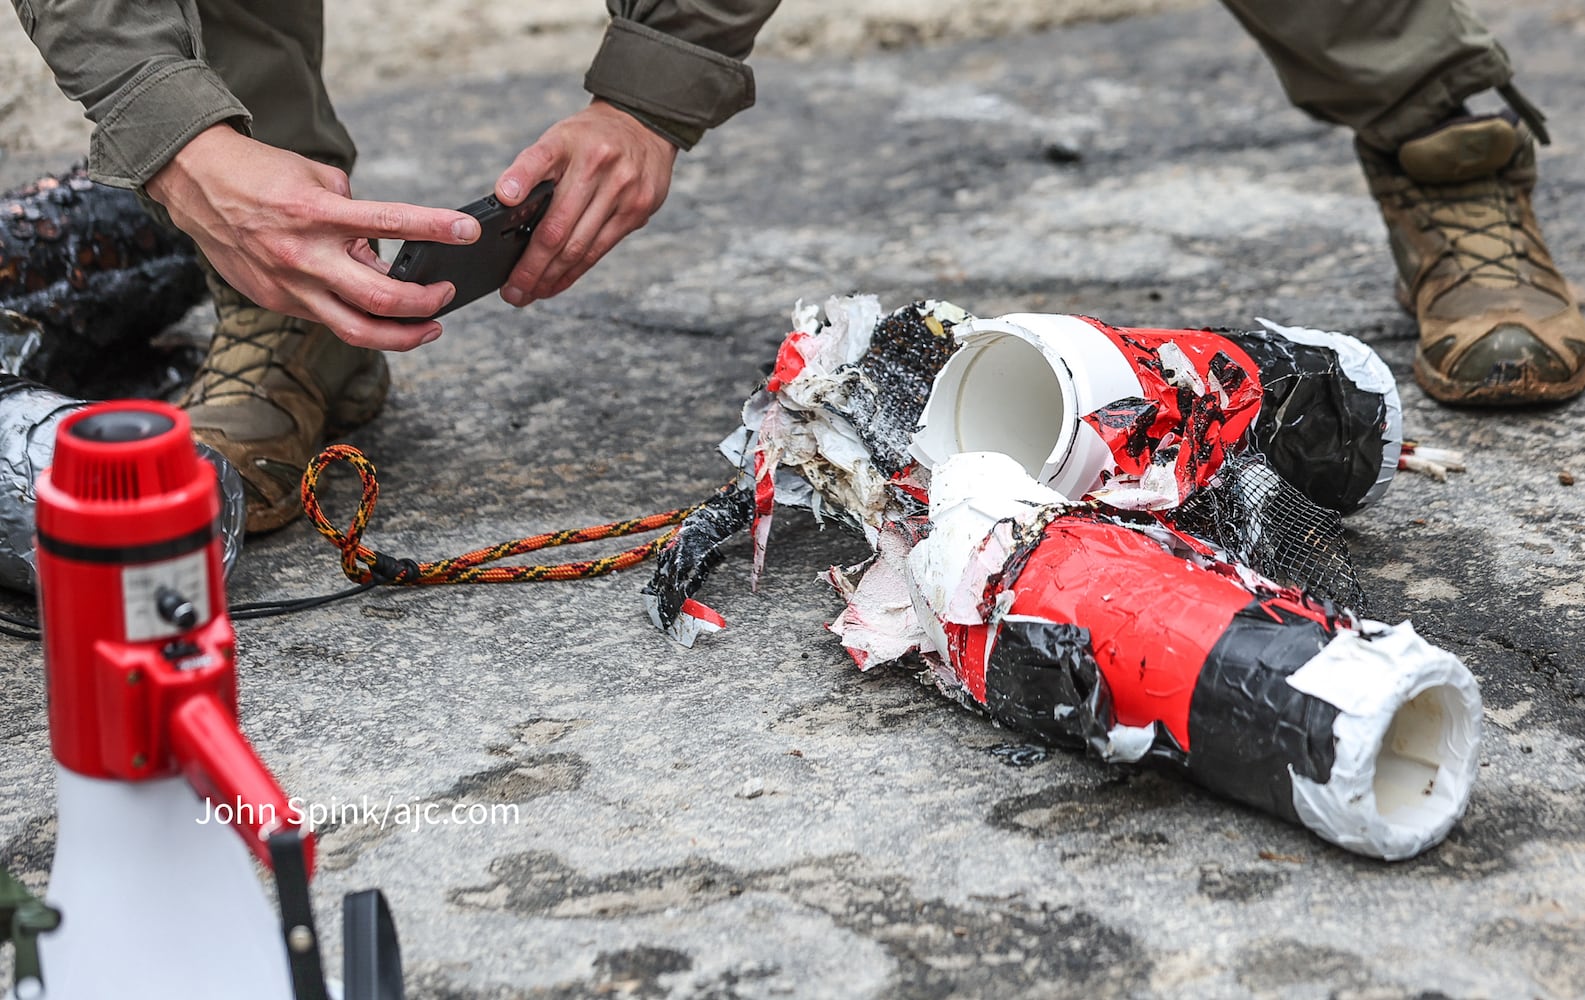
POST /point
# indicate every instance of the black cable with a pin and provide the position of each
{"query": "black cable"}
(385, 570)
(30, 631)
(267, 609)
(19, 622)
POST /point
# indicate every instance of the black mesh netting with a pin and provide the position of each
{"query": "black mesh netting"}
(1269, 526)
(884, 404)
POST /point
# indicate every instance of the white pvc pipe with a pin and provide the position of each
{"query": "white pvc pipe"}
(1406, 741)
(1020, 385)
(1406, 738)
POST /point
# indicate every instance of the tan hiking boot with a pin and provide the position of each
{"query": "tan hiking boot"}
(1498, 324)
(270, 391)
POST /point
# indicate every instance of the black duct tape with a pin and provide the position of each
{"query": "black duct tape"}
(1042, 681)
(1247, 724)
(685, 562)
(1318, 428)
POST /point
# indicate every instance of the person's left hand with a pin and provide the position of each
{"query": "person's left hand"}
(611, 174)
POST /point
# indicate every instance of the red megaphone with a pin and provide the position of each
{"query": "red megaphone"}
(139, 651)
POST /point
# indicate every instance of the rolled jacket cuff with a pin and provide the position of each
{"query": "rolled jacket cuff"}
(684, 137)
(675, 87)
(157, 115)
(1437, 101)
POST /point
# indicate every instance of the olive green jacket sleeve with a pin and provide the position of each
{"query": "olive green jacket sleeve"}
(137, 68)
(677, 65)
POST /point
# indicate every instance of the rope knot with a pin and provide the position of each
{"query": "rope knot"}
(389, 569)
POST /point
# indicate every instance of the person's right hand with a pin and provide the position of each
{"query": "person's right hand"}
(285, 231)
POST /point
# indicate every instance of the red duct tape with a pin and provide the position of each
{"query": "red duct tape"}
(1172, 424)
(1152, 617)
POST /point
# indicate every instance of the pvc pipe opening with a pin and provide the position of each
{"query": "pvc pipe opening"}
(1020, 385)
(1406, 741)
(1010, 400)
(1423, 760)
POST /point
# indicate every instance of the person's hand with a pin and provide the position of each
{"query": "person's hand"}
(285, 231)
(611, 174)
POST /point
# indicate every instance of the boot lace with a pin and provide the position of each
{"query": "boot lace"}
(216, 378)
(1485, 228)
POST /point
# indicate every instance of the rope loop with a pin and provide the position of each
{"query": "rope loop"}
(362, 564)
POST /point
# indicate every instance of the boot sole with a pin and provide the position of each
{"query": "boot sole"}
(1523, 392)
(263, 520)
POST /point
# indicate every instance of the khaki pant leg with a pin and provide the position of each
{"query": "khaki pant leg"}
(269, 54)
(1385, 68)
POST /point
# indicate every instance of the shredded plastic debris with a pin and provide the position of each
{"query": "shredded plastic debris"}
(684, 564)
(807, 436)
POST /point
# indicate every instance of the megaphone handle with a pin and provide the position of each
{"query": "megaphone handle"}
(221, 764)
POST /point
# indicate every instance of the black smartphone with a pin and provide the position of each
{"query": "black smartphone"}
(480, 267)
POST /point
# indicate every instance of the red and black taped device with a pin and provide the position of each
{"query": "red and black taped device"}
(1114, 643)
(1320, 407)
(139, 653)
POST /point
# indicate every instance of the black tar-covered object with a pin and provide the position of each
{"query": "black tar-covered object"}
(100, 277)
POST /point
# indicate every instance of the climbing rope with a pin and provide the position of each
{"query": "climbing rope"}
(364, 565)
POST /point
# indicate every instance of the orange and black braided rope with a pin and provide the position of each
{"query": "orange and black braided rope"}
(362, 564)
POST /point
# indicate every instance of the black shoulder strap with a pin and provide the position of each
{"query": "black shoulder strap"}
(372, 954)
(297, 916)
